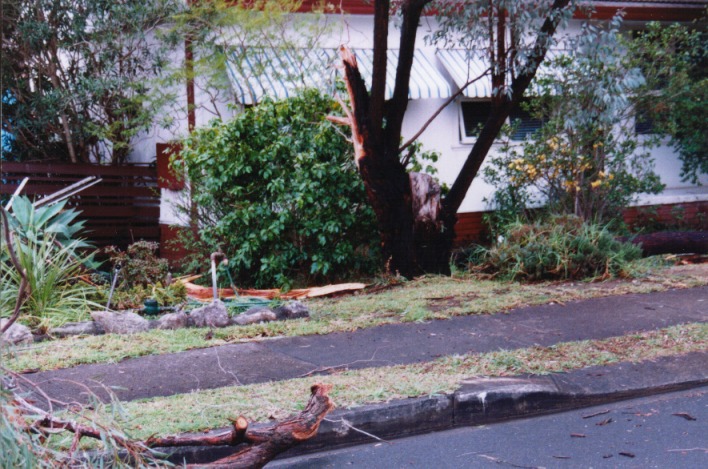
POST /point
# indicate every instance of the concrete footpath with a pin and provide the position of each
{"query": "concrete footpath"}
(477, 401)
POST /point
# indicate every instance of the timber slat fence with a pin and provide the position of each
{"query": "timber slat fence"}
(122, 208)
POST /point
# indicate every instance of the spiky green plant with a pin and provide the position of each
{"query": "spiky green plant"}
(45, 244)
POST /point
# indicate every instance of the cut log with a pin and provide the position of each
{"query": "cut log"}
(671, 242)
(263, 443)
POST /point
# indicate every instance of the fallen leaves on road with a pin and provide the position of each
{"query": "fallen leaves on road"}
(685, 415)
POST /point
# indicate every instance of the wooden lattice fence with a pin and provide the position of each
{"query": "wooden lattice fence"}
(122, 208)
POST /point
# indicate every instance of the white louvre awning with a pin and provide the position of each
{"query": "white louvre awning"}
(466, 65)
(279, 73)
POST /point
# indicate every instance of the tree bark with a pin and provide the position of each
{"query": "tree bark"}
(418, 229)
(263, 443)
(385, 179)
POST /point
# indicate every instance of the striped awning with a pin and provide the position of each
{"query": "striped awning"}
(466, 65)
(280, 73)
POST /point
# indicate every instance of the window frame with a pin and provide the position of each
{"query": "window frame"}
(465, 139)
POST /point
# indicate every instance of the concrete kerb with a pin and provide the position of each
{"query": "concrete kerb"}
(488, 400)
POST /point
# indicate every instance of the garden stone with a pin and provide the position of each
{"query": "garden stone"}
(77, 328)
(120, 323)
(292, 310)
(214, 314)
(16, 334)
(254, 315)
(173, 321)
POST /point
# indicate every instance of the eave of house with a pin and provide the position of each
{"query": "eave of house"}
(635, 10)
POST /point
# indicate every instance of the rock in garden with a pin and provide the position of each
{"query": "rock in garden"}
(77, 328)
(292, 310)
(214, 314)
(120, 322)
(173, 321)
(16, 334)
(255, 315)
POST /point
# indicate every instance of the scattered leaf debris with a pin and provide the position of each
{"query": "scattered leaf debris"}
(602, 412)
(685, 415)
(578, 435)
(604, 422)
(627, 454)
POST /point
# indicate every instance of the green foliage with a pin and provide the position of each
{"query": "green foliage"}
(563, 247)
(278, 193)
(251, 26)
(45, 247)
(78, 74)
(674, 61)
(18, 449)
(469, 25)
(139, 264)
(142, 275)
(134, 297)
(585, 160)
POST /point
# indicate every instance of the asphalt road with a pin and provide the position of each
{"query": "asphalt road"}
(664, 431)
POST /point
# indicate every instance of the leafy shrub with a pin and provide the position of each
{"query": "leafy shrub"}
(586, 159)
(563, 247)
(134, 297)
(46, 249)
(139, 264)
(278, 192)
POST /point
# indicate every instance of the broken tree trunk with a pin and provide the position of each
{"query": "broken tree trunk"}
(262, 443)
(671, 242)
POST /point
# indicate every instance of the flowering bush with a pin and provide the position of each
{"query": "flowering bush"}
(586, 159)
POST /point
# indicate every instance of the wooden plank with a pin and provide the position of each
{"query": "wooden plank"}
(76, 169)
(119, 211)
(99, 190)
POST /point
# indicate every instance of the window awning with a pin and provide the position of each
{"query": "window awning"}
(466, 65)
(279, 73)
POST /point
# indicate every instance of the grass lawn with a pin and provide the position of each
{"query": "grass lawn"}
(212, 408)
(429, 297)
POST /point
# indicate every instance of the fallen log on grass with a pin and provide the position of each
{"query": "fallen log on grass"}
(263, 443)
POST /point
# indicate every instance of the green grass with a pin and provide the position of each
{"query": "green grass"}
(211, 409)
(422, 299)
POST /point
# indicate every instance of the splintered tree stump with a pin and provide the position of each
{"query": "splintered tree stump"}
(263, 443)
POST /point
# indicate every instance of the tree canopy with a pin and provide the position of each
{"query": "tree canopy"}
(76, 76)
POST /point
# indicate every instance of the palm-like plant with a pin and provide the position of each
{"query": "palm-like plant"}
(46, 248)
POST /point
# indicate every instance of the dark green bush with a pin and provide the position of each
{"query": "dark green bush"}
(563, 247)
(278, 192)
(139, 264)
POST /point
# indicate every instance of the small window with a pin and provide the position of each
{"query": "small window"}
(475, 114)
(643, 124)
(527, 124)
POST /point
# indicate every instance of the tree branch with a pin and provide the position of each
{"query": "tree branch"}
(24, 289)
(496, 120)
(437, 113)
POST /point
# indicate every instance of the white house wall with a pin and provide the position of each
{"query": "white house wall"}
(443, 135)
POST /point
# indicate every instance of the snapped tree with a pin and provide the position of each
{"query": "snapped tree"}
(415, 222)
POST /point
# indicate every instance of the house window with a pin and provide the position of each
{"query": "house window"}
(643, 124)
(475, 114)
